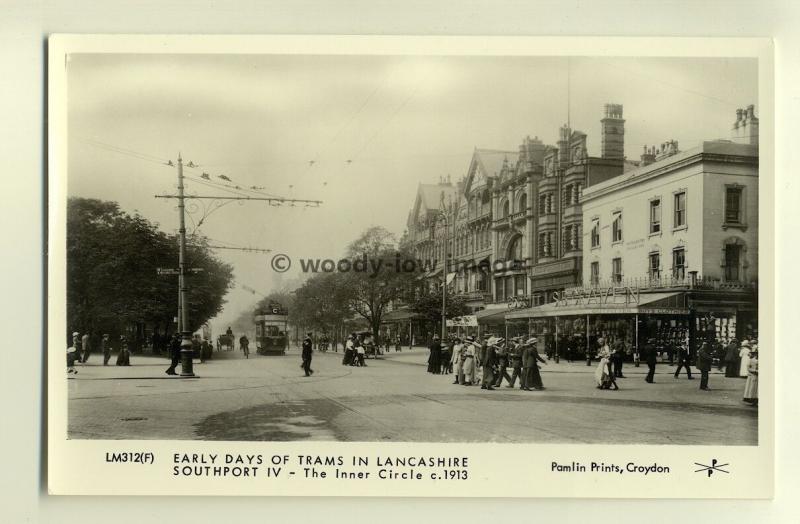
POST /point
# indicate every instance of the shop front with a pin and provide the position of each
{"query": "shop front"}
(570, 327)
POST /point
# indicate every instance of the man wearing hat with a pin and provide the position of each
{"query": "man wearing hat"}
(489, 361)
(530, 358)
(515, 353)
(704, 364)
(306, 355)
(649, 356)
(501, 351)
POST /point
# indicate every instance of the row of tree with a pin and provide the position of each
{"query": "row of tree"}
(328, 301)
(113, 284)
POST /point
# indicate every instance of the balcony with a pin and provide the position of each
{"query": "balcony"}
(472, 296)
(669, 282)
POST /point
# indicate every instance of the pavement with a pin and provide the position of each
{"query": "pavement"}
(395, 399)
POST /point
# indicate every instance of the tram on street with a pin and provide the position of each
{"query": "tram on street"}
(272, 330)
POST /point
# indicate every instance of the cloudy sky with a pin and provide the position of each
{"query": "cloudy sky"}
(373, 126)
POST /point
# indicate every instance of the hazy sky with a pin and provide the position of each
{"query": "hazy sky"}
(260, 119)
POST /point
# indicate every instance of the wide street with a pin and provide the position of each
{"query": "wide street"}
(395, 399)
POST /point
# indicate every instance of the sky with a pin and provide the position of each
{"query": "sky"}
(358, 133)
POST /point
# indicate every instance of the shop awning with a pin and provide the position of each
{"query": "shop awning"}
(399, 315)
(492, 316)
(649, 304)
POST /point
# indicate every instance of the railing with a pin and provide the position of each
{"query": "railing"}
(476, 295)
(671, 282)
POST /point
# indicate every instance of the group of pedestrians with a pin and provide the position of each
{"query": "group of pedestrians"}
(486, 362)
(355, 350)
(81, 347)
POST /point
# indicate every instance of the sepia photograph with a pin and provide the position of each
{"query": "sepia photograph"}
(367, 248)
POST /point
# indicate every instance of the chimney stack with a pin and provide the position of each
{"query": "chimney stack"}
(648, 156)
(745, 129)
(612, 144)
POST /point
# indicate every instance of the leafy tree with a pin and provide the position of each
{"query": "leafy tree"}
(429, 304)
(112, 281)
(323, 302)
(376, 282)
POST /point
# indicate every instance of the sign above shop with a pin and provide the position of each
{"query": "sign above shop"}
(597, 296)
(465, 321)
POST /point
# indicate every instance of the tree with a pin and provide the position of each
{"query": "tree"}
(376, 278)
(429, 304)
(112, 280)
(323, 302)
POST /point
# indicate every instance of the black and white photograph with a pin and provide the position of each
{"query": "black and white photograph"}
(412, 248)
(434, 249)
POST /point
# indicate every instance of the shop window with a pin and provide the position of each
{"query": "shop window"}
(595, 273)
(679, 264)
(509, 284)
(733, 254)
(733, 205)
(616, 270)
(595, 232)
(655, 215)
(680, 209)
(616, 228)
(654, 266)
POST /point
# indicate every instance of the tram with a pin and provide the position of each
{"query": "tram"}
(271, 330)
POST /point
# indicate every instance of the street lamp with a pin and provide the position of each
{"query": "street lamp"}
(442, 215)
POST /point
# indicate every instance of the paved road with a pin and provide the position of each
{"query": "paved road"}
(394, 399)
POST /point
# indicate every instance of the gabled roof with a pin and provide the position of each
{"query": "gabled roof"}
(490, 162)
(429, 197)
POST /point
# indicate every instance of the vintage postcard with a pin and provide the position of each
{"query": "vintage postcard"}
(410, 266)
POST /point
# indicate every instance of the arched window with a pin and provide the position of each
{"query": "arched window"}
(505, 209)
(515, 249)
(523, 202)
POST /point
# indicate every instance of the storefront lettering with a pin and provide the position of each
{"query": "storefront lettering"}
(596, 296)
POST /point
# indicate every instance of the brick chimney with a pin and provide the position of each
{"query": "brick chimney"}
(612, 143)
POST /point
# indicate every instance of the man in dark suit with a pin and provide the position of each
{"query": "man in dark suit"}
(684, 360)
(649, 355)
(307, 348)
(501, 353)
(617, 357)
(175, 354)
(489, 361)
(704, 364)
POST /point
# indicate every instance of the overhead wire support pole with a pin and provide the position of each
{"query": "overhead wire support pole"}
(183, 317)
(183, 303)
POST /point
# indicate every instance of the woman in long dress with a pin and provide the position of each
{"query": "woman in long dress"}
(751, 386)
(744, 354)
(468, 358)
(603, 375)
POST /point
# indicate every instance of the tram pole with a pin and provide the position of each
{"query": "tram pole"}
(183, 316)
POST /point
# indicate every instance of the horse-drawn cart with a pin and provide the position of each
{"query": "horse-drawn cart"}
(225, 341)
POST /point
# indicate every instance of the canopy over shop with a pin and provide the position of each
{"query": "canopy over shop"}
(572, 324)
